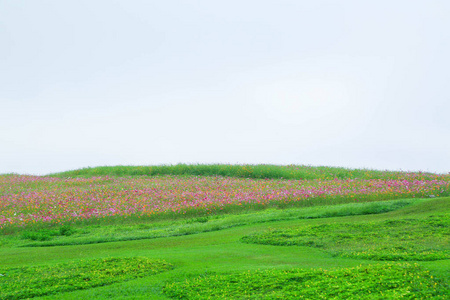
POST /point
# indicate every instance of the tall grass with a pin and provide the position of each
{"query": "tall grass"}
(298, 172)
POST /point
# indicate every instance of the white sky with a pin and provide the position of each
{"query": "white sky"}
(339, 83)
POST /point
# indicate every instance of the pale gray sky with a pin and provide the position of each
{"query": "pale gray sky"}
(342, 83)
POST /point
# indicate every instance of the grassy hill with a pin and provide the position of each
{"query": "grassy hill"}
(337, 234)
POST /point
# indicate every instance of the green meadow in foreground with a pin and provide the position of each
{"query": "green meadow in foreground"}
(395, 249)
(218, 265)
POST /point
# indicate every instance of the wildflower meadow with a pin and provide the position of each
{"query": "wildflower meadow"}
(225, 232)
(31, 200)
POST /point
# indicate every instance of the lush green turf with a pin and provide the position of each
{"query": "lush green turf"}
(32, 281)
(196, 257)
(246, 171)
(400, 239)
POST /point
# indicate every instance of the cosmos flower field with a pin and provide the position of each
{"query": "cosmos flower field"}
(224, 232)
(40, 200)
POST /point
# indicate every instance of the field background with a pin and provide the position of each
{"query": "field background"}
(191, 231)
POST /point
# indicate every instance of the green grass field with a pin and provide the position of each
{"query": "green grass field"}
(390, 249)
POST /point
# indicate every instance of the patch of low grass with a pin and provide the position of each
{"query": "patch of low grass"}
(412, 239)
(28, 282)
(47, 234)
(381, 281)
(92, 234)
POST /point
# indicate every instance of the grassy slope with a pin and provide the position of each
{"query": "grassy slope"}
(211, 252)
(91, 234)
(220, 251)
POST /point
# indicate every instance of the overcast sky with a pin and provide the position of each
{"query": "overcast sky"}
(361, 84)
